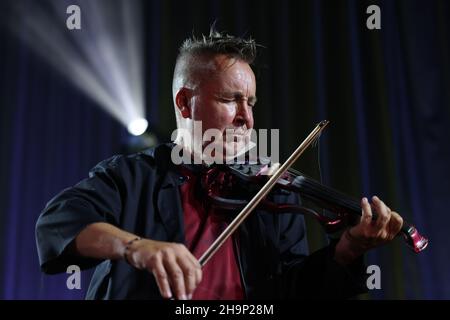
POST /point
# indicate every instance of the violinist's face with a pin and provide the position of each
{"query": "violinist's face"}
(224, 100)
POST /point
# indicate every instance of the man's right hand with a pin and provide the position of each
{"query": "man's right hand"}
(174, 267)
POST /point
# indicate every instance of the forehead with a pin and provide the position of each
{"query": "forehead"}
(229, 74)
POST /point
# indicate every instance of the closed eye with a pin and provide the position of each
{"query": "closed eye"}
(225, 100)
(251, 101)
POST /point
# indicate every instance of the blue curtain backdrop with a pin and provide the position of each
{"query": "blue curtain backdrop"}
(386, 92)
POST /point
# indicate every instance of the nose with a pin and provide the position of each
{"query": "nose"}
(244, 115)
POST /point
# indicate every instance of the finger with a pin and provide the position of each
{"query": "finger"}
(366, 216)
(176, 276)
(196, 263)
(199, 276)
(383, 213)
(192, 258)
(198, 268)
(190, 274)
(396, 224)
(161, 279)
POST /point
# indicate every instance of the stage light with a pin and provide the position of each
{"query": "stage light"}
(137, 126)
(103, 59)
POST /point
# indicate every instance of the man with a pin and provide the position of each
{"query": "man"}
(142, 222)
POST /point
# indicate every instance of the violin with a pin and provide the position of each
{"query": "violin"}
(246, 186)
(228, 186)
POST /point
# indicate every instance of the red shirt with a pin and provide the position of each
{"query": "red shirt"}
(202, 225)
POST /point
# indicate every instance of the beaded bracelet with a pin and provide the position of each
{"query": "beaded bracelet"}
(127, 248)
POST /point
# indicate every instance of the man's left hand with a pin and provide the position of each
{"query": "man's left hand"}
(368, 233)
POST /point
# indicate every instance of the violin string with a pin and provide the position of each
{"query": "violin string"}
(336, 197)
(318, 161)
(350, 203)
(320, 167)
(315, 188)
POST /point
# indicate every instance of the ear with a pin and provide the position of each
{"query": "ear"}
(182, 101)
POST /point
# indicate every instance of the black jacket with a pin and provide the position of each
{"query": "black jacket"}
(140, 194)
